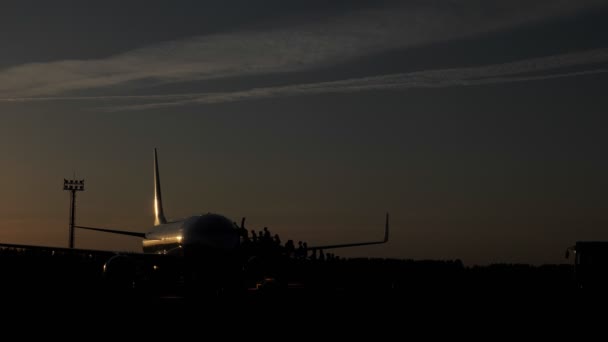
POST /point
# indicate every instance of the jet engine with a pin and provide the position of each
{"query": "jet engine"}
(119, 272)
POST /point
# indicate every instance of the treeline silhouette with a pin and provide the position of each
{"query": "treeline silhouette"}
(76, 274)
(47, 272)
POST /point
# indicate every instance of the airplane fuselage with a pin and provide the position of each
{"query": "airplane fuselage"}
(209, 232)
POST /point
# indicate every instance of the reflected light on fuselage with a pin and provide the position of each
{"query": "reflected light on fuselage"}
(209, 232)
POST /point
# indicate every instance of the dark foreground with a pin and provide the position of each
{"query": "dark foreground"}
(80, 278)
(345, 295)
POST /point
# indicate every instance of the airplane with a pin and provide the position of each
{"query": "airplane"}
(205, 244)
(201, 233)
(191, 236)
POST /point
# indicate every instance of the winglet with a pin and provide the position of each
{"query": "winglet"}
(159, 214)
(386, 229)
(344, 245)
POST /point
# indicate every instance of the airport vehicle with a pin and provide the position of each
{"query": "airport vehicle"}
(590, 264)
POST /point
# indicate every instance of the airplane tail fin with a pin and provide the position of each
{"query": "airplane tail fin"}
(159, 214)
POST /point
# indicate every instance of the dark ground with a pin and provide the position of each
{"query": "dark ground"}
(347, 296)
(80, 277)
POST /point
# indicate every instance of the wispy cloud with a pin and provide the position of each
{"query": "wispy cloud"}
(557, 66)
(281, 50)
(525, 70)
(261, 93)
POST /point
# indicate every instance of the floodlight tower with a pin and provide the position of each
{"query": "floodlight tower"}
(72, 185)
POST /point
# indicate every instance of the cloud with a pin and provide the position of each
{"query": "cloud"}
(394, 83)
(288, 49)
(557, 66)
(525, 70)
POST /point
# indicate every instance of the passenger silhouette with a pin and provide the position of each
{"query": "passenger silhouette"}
(290, 248)
(243, 233)
(300, 250)
(267, 236)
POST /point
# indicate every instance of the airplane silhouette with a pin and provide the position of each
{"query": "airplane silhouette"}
(206, 245)
(204, 232)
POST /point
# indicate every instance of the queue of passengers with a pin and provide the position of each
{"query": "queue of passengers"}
(266, 242)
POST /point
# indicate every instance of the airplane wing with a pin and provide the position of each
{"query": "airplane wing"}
(54, 250)
(356, 244)
(59, 272)
(114, 231)
(97, 253)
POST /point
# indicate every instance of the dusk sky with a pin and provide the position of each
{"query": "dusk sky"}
(479, 125)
